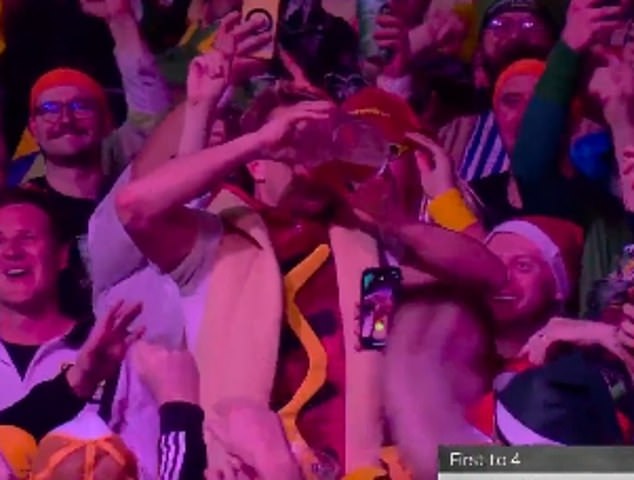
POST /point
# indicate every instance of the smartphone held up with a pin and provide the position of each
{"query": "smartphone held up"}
(380, 289)
(367, 13)
(268, 11)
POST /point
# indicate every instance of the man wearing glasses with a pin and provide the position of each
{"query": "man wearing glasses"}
(80, 150)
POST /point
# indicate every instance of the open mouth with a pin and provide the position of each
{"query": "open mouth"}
(14, 273)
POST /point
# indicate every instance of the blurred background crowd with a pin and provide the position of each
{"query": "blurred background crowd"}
(311, 239)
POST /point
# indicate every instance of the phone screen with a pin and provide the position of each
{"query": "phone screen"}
(380, 288)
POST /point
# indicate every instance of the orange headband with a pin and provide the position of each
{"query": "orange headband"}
(537, 69)
(70, 77)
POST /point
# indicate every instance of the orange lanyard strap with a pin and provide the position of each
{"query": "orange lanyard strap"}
(90, 456)
(317, 358)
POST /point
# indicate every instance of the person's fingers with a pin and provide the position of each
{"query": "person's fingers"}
(114, 313)
(611, 13)
(253, 43)
(229, 22)
(133, 337)
(315, 106)
(533, 351)
(253, 26)
(424, 163)
(578, 5)
(602, 28)
(625, 340)
(127, 316)
(628, 311)
(420, 139)
(392, 34)
(627, 327)
(388, 44)
(389, 21)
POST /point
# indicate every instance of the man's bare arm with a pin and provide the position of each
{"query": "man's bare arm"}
(151, 207)
(162, 145)
(449, 256)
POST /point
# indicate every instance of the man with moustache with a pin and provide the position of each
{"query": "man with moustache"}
(71, 120)
(270, 285)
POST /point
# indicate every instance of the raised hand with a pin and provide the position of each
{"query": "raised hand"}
(445, 31)
(106, 9)
(104, 350)
(588, 21)
(210, 73)
(613, 86)
(392, 34)
(170, 375)
(282, 133)
(434, 164)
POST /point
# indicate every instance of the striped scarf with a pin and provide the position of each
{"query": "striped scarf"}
(484, 155)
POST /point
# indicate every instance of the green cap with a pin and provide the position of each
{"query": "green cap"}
(553, 11)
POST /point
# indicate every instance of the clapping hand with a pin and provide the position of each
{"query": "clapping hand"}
(104, 350)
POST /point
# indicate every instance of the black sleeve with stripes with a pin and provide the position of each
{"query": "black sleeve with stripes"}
(182, 452)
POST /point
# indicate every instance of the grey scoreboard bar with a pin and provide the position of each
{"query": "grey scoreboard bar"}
(537, 459)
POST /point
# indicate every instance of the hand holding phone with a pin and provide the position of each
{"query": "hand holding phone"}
(380, 288)
(268, 11)
(589, 22)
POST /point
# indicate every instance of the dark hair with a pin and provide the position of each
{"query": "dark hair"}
(26, 196)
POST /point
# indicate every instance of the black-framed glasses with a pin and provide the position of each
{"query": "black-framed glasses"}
(78, 108)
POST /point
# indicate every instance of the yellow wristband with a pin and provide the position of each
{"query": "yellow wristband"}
(450, 211)
(17, 448)
(367, 473)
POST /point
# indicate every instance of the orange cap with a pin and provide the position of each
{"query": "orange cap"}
(535, 68)
(70, 77)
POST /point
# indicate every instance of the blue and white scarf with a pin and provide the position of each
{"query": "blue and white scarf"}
(484, 155)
